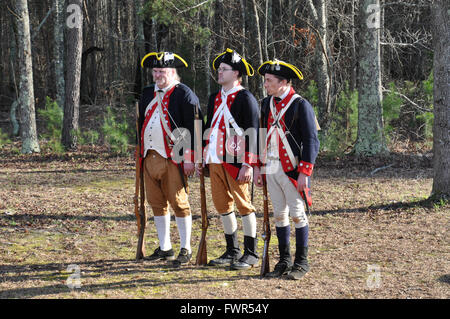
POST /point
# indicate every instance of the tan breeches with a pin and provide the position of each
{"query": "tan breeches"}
(163, 185)
(226, 191)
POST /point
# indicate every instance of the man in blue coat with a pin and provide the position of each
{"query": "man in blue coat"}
(232, 124)
(290, 149)
(167, 113)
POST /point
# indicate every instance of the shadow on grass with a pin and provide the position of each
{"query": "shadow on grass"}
(425, 203)
(445, 279)
(99, 269)
(66, 217)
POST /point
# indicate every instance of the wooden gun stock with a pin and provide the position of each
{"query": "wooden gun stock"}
(139, 196)
(265, 266)
(202, 254)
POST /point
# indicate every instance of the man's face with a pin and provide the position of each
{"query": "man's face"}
(225, 74)
(273, 85)
(163, 76)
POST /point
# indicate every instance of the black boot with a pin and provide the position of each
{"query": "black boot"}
(284, 266)
(250, 257)
(300, 267)
(232, 253)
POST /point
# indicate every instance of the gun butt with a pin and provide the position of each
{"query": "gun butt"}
(202, 256)
(265, 262)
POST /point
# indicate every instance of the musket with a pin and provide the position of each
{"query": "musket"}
(265, 266)
(202, 255)
(307, 200)
(139, 196)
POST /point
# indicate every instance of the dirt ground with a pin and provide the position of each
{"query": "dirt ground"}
(67, 222)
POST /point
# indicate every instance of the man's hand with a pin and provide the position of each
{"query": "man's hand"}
(198, 168)
(189, 169)
(302, 182)
(257, 177)
(245, 174)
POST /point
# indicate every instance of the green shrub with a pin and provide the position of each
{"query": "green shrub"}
(392, 104)
(116, 133)
(343, 126)
(88, 137)
(311, 93)
(426, 119)
(52, 115)
(4, 139)
(400, 115)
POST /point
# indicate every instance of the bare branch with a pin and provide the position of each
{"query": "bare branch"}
(408, 100)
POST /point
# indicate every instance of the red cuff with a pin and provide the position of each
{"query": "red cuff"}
(305, 168)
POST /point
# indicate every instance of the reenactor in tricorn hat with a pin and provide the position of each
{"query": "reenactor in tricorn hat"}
(230, 155)
(166, 106)
(291, 148)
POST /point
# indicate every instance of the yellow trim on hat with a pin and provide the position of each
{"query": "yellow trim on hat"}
(160, 55)
(290, 66)
(214, 61)
(247, 65)
(181, 59)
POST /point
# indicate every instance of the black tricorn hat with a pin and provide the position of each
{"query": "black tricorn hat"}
(280, 68)
(233, 59)
(163, 60)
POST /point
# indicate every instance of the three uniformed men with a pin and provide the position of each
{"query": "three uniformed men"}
(230, 154)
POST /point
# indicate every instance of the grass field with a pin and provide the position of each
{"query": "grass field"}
(68, 220)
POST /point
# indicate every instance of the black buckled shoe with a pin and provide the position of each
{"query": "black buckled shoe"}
(231, 255)
(297, 272)
(245, 262)
(250, 258)
(183, 258)
(281, 268)
(159, 254)
(300, 267)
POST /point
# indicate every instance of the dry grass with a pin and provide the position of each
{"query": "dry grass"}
(78, 209)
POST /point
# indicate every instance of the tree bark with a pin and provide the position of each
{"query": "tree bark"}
(371, 140)
(243, 42)
(353, 48)
(319, 15)
(58, 52)
(30, 143)
(261, 90)
(441, 126)
(73, 61)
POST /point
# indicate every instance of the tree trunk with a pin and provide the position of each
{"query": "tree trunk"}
(30, 143)
(261, 90)
(319, 15)
(58, 51)
(244, 42)
(12, 72)
(139, 46)
(370, 139)
(353, 48)
(73, 62)
(441, 127)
